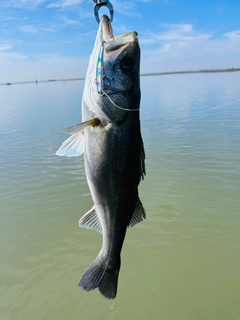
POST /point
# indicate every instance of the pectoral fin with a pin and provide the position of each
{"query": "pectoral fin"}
(80, 127)
(139, 214)
(74, 146)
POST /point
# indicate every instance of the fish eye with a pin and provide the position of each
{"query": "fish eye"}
(127, 64)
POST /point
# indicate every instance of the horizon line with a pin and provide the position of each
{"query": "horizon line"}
(141, 75)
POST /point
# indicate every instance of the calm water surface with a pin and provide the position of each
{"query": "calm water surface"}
(182, 262)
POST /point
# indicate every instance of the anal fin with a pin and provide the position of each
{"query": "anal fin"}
(139, 214)
(90, 221)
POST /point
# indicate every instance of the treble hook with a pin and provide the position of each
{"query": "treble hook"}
(99, 4)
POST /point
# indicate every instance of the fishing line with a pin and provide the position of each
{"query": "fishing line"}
(104, 93)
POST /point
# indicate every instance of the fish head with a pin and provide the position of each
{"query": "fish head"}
(114, 70)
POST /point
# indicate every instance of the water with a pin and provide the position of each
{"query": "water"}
(181, 263)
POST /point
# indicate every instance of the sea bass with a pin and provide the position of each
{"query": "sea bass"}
(114, 157)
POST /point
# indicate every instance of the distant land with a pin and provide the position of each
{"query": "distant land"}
(194, 71)
(142, 75)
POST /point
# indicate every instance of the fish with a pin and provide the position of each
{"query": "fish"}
(114, 157)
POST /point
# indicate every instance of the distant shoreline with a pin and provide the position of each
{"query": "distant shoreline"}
(142, 75)
(191, 71)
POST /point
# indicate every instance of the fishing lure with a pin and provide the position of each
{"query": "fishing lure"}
(99, 71)
(100, 79)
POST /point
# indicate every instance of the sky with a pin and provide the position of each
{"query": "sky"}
(52, 39)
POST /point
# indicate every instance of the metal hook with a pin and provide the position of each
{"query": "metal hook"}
(99, 4)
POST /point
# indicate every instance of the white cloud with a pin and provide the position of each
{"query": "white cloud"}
(64, 3)
(8, 58)
(180, 47)
(31, 4)
(177, 32)
(16, 67)
(11, 57)
(69, 22)
(146, 1)
(33, 29)
(28, 4)
(233, 35)
(4, 47)
(7, 55)
(126, 8)
(177, 47)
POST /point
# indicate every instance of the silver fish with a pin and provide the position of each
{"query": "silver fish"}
(113, 149)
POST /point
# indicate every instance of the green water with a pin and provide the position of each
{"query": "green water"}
(182, 262)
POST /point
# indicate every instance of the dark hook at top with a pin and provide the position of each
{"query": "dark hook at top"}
(101, 3)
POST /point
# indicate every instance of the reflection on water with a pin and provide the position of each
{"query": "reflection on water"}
(182, 262)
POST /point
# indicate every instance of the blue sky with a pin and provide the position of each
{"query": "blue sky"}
(50, 39)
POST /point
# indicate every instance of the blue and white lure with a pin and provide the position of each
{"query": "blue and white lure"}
(99, 71)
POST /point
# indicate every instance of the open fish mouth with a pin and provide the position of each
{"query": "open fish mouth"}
(111, 42)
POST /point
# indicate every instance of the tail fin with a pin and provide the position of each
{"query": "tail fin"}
(98, 275)
(108, 285)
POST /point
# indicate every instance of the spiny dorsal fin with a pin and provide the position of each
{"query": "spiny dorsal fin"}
(90, 221)
(139, 214)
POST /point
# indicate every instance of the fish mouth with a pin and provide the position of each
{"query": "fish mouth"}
(111, 52)
(106, 29)
(112, 43)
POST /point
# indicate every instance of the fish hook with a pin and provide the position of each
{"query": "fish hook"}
(99, 4)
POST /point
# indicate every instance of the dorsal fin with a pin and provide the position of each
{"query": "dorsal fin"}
(142, 170)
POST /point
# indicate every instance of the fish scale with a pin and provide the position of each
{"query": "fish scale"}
(114, 156)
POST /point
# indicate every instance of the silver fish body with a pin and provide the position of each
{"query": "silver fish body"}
(113, 151)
